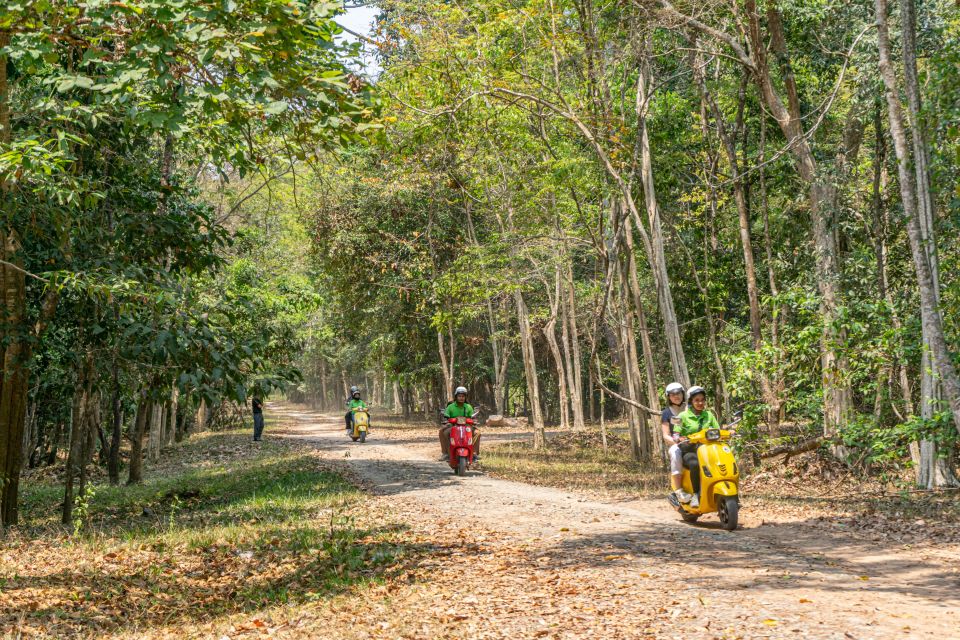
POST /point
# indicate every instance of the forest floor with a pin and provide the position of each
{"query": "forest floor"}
(237, 540)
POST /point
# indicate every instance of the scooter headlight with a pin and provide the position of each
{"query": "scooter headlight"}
(713, 434)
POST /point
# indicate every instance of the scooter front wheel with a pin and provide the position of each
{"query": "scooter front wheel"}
(461, 466)
(729, 510)
(363, 436)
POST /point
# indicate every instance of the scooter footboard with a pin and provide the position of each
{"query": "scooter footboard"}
(725, 488)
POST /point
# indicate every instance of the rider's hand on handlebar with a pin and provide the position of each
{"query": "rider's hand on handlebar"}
(676, 438)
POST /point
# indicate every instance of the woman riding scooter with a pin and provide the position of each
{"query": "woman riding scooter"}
(669, 423)
(696, 418)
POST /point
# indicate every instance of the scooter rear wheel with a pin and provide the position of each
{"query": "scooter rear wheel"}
(354, 438)
(689, 517)
(728, 510)
(461, 466)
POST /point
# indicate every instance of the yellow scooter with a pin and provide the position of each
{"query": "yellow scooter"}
(361, 422)
(719, 479)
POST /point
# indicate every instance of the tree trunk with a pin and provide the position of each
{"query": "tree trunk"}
(655, 245)
(550, 333)
(446, 363)
(933, 472)
(530, 372)
(13, 352)
(647, 346)
(571, 337)
(116, 433)
(13, 383)
(140, 423)
(154, 428)
(81, 425)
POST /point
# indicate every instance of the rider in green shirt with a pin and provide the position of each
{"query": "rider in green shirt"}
(459, 408)
(692, 420)
(353, 402)
(696, 418)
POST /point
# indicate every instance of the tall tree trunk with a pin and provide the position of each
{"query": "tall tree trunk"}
(630, 367)
(446, 363)
(13, 383)
(116, 433)
(530, 372)
(571, 336)
(80, 425)
(646, 344)
(140, 424)
(655, 244)
(933, 471)
(550, 333)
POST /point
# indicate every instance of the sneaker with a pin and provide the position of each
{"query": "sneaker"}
(694, 502)
(683, 496)
(445, 457)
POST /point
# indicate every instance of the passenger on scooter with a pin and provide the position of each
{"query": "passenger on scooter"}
(353, 402)
(457, 408)
(696, 418)
(669, 424)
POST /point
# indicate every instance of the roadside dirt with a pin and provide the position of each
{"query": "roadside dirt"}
(519, 561)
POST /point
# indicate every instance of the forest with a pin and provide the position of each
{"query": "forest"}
(562, 205)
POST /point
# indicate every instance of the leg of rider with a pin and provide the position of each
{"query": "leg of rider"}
(349, 418)
(692, 462)
(676, 466)
(476, 442)
(445, 440)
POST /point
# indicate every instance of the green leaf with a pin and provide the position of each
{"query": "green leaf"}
(275, 108)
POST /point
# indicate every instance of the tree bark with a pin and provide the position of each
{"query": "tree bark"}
(140, 423)
(571, 336)
(641, 321)
(116, 434)
(530, 372)
(81, 425)
(655, 249)
(932, 472)
(550, 333)
(13, 383)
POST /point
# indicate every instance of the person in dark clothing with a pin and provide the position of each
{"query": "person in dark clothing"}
(257, 418)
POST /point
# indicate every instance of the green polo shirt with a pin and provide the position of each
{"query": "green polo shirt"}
(691, 423)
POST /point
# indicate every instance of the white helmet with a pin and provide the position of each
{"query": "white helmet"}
(695, 391)
(674, 387)
(460, 390)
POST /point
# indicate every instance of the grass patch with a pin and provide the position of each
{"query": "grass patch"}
(222, 527)
(576, 461)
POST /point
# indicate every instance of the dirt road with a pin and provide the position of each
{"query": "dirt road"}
(519, 561)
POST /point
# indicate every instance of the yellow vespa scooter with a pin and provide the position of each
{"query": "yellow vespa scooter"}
(719, 479)
(361, 423)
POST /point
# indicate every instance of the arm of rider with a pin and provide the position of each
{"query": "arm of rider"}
(666, 426)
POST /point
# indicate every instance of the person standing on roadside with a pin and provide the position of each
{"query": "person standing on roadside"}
(257, 418)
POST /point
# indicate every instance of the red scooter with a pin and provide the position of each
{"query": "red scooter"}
(461, 444)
